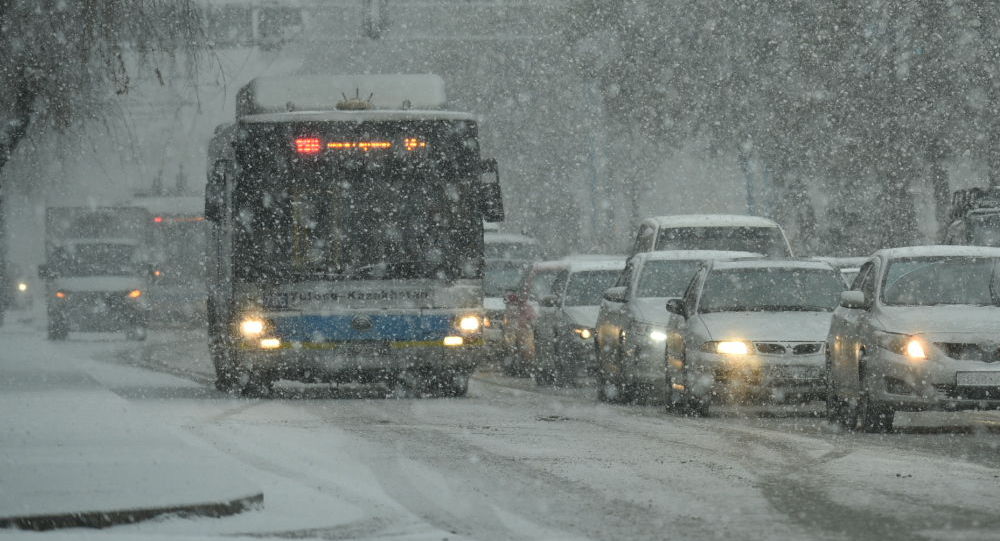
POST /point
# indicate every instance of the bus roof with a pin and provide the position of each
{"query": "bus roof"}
(356, 116)
(275, 94)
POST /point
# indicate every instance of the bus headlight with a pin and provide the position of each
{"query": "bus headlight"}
(470, 323)
(251, 327)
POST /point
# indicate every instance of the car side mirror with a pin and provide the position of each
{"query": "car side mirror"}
(676, 306)
(616, 294)
(854, 299)
(549, 301)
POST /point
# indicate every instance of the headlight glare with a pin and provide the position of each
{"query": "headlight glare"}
(469, 323)
(657, 336)
(911, 347)
(727, 347)
(584, 333)
(251, 327)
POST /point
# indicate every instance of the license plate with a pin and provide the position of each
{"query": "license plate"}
(363, 350)
(978, 379)
(797, 372)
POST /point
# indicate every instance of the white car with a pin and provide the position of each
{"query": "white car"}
(712, 232)
(921, 330)
(632, 324)
(748, 329)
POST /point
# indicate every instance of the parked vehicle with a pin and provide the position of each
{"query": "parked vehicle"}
(750, 329)
(565, 334)
(848, 266)
(918, 331)
(95, 271)
(712, 232)
(522, 309)
(631, 330)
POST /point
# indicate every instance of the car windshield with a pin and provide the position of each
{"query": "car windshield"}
(665, 278)
(763, 240)
(94, 259)
(771, 289)
(585, 288)
(929, 281)
(501, 276)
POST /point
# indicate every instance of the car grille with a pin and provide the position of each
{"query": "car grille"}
(786, 348)
(989, 353)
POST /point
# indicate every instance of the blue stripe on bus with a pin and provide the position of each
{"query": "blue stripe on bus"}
(338, 328)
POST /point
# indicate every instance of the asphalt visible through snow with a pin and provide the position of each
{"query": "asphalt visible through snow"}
(514, 461)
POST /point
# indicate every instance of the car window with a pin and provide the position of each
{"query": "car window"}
(586, 287)
(665, 278)
(541, 283)
(864, 276)
(625, 277)
(643, 239)
(762, 240)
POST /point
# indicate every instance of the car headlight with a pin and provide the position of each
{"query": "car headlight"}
(584, 333)
(469, 323)
(252, 327)
(727, 347)
(911, 347)
(22, 287)
(656, 335)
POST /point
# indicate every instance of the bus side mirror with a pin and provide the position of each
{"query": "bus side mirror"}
(215, 192)
(489, 194)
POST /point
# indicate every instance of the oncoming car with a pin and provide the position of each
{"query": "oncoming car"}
(632, 323)
(750, 329)
(919, 330)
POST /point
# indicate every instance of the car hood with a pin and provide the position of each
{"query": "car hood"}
(584, 316)
(941, 320)
(98, 283)
(651, 310)
(768, 326)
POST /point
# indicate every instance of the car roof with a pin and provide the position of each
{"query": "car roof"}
(582, 265)
(771, 263)
(496, 236)
(683, 255)
(550, 265)
(709, 220)
(939, 250)
(843, 262)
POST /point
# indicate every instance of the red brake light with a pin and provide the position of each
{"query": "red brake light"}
(158, 219)
(307, 145)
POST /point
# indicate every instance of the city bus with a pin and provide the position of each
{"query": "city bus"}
(346, 238)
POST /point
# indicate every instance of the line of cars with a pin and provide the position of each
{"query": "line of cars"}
(713, 309)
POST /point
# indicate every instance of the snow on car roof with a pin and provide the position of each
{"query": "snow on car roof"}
(701, 255)
(772, 263)
(583, 265)
(356, 116)
(274, 94)
(939, 250)
(493, 236)
(843, 262)
(710, 220)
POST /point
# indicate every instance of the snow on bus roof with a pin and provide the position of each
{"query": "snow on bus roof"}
(710, 220)
(356, 116)
(940, 251)
(275, 94)
(700, 255)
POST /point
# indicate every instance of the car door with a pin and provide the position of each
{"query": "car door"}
(614, 316)
(677, 330)
(548, 316)
(850, 330)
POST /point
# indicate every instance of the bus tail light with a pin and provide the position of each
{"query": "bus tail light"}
(307, 145)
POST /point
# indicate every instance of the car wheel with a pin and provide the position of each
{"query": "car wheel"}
(871, 415)
(836, 408)
(260, 384)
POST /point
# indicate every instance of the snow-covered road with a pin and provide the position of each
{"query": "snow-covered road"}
(515, 462)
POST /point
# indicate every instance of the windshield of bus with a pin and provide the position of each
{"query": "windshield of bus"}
(665, 278)
(362, 213)
(501, 276)
(763, 240)
(929, 281)
(585, 288)
(94, 259)
(771, 289)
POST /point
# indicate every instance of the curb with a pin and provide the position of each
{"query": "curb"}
(104, 519)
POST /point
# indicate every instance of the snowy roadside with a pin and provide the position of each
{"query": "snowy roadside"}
(72, 453)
